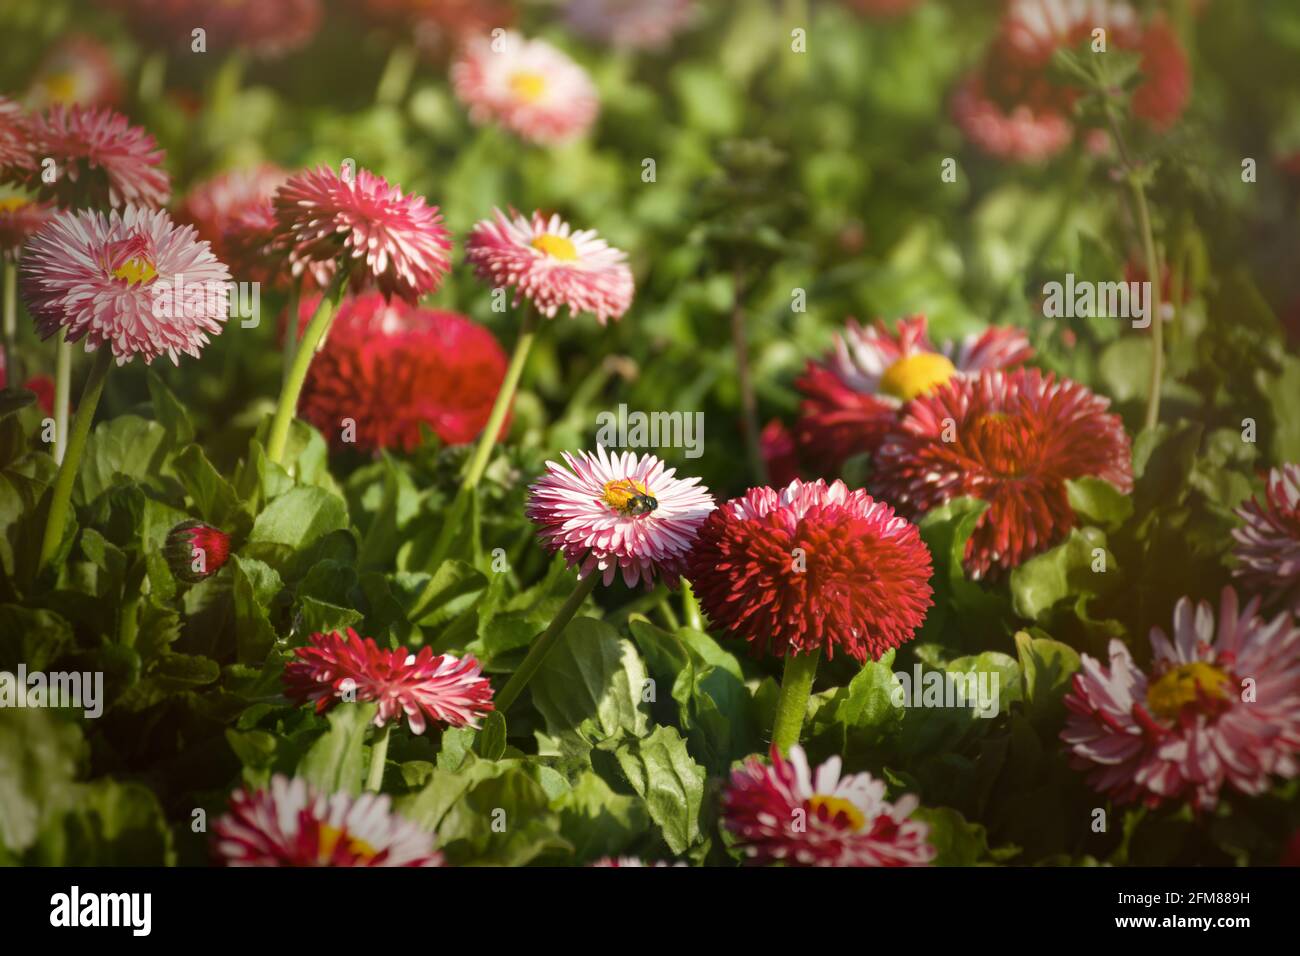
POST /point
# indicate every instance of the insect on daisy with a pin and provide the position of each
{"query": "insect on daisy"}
(527, 86)
(1219, 704)
(852, 398)
(609, 514)
(808, 570)
(1012, 439)
(1268, 542)
(290, 823)
(788, 813)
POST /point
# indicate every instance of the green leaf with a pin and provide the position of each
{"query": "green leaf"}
(335, 762)
(1047, 667)
(170, 413)
(1099, 502)
(127, 446)
(959, 842)
(109, 824)
(504, 820)
(39, 753)
(255, 586)
(598, 821)
(491, 741)
(214, 498)
(591, 683)
(291, 524)
(661, 771)
(1063, 572)
(33, 636)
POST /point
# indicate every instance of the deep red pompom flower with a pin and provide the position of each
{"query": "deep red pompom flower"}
(290, 823)
(391, 367)
(100, 159)
(853, 396)
(441, 688)
(384, 237)
(1012, 439)
(812, 568)
(196, 550)
(791, 814)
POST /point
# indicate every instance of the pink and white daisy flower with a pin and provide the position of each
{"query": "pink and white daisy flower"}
(15, 140)
(384, 237)
(630, 862)
(131, 280)
(99, 157)
(1268, 544)
(1220, 704)
(853, 397)
(447, 690)
(621, 512)
(79, 69)
(552, 265)
(527, 86)
(290, 823)
(788, 813)
(214, 204)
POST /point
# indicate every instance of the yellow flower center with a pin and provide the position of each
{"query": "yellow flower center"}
(557, 247)
(619, 492)
(837, 808)
(329, 840)
(529, 87)
(916, 375)
(1184, 686)
(60, 87)
(12, 203)
(136, 271)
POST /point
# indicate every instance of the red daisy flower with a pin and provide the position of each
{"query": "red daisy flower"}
(391, 367)
(290, 823)
(264, 29)
(788, 813)
(15, 140)
(811, 568)
(215, 205)
(99, 157)
(385, 237)
(255, 250)
(195, 550)
(20, 219)
(447, 690)
(780, 456)
(1012, 439)
(852, 398)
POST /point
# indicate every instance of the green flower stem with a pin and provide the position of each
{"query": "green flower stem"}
(153, 70)
(483, 451)
(378, 756)
(62, 395)
(796, 688)
(278, 438)
(396, 78)
(544, 644)
(10, 283)
(748, 401)
(290, 349)
(62, 495)
(1157, 323)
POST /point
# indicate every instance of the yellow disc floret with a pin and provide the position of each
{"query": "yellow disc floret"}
(329, 839)
(619, 493)
(529, 87)
(916, 374)
(557, 247)
(136, 271)
(1186, 685)
(837, 807)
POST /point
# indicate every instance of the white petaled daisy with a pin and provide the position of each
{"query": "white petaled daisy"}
(291, 824)
(787, 813)
(552, 265)
(625, 512)
(133, 281)
(527, 86)
(1268, 544)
